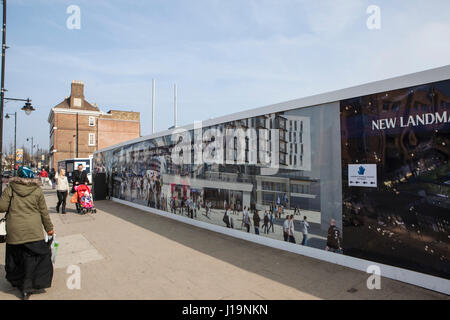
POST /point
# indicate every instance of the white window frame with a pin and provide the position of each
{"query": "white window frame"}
(91, 121)
(93, 138)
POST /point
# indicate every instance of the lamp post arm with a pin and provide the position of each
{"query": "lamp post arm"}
(15, 99)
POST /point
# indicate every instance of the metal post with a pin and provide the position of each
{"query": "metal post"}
(37, 153)
(76, 156)
(175, 106)
(2, 92)
(15, 143)
(153, 107)
(32, 147)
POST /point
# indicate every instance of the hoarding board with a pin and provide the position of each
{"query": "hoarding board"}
(19, 156)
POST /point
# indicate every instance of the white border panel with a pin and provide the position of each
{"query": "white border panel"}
(410, 80)
(415, 278)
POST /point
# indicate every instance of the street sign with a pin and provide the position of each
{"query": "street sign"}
(362, 175)
(19, 155)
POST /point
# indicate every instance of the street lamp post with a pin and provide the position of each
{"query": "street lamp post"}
(15, 138)
(2, 92)
(27, 107)
(37, 154)
(31, 150)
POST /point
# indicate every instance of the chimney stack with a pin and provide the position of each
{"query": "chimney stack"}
(77, 94)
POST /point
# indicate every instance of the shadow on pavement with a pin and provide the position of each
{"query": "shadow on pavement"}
(320, 279)
(5, 286)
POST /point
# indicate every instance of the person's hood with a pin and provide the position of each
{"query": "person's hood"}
(23, 187)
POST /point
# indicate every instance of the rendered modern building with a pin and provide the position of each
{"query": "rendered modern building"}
(372, 158)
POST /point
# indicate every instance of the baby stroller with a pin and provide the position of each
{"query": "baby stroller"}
(85, 202)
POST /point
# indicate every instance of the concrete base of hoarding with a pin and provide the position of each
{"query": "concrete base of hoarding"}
(407, 276)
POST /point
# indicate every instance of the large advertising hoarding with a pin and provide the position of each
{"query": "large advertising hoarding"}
(370, 174)
(404, 136)
(249, 174)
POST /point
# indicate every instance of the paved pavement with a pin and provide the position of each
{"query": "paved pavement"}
(124, 253)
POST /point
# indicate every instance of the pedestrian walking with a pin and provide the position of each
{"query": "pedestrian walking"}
(28, 262)
(304, 229)
(79, 177)
(333, 238)
(52, 176)
(256, 221)
(44, 177)
(62, 190)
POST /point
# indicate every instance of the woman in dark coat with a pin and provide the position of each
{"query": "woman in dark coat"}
(28, 257)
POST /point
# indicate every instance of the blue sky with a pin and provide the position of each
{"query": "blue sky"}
(225, 55)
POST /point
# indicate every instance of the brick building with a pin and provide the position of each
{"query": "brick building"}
(78, 128)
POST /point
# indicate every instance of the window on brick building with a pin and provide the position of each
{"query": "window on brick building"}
(92, 139)
(92, 121)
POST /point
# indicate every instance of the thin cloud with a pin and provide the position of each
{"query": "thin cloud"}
(225, 56)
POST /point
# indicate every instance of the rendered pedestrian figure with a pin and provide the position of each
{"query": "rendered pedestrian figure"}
(243, 217)
(286, 224)
(291, 229)
(256, 221)
(191, 208)
(227, 219)
(209, 208)
(271, 220)
(266, 223)
(333, 238)
(194, 205)
(247, 221)
(304, 230)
